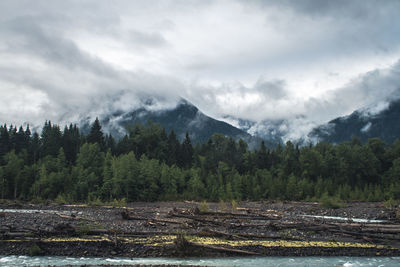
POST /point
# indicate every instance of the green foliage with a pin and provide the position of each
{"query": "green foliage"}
(3, 184)
(62, 199)
(204, 207)
(234, 205)
(35, 250)
(330, 202)
(222, 206)
(12, 175)
(391, 203)
(96, 135)
(151, 165)
(118, 203)
(195, 188)
(51, 139)
(94, 201)
(85, 227)
(88, 172)
(38, 200)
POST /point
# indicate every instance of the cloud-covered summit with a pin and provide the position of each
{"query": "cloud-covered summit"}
(257, 60)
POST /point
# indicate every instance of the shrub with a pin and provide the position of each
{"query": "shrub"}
(61, 199)
(85, 227)
(331, 202)
(38, 200)
(120, 203)
(234, 205)
(204, 207)
(94, 201)
(390, 203)
(35, 250)
(222, 206)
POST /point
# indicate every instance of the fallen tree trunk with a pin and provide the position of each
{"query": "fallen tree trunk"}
(362, 235)
(226, 250)
(127, 216)
(278, 237)
(195, 218)
(243, 216)
(184, 246)
(214, 233)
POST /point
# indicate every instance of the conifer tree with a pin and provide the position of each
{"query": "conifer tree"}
(110, 144)
(262, 157)
(51, 140)
(186, 152)
(20, 140)
(34, 148)
(4, 142)
(173, 148)
(71, 142)
(96, 135)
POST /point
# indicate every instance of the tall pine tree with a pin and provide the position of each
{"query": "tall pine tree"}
(186, 152)
(96, 135)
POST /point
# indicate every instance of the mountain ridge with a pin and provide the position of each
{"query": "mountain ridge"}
(364, 123)
(376, 121)
(184, 117)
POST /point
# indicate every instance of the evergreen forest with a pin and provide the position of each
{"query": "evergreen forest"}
(149, 164)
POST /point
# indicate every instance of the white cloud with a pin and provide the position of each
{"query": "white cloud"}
(366, 128)
(258, 60)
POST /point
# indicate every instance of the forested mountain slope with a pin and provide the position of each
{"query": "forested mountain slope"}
(363, 124)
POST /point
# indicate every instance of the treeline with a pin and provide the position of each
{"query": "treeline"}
(149, 164)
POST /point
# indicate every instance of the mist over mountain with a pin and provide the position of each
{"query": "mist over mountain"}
(381, 120)
(378, 120)
(184, 117)
(271, 131)
(276, 131)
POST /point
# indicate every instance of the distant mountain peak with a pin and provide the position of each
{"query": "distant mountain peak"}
(381, 120)
(182, 117)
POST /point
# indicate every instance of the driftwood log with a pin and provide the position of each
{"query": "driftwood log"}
(186, 247)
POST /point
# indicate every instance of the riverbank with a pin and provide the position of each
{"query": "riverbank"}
(187, 229)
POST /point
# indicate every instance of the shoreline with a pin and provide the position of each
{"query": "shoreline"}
(180, 229)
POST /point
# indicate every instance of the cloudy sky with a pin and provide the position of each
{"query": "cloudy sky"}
(257, 60)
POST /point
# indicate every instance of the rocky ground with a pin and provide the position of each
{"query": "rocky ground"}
(171, 229)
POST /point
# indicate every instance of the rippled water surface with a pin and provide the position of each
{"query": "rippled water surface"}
(37, 211)
(242, 262)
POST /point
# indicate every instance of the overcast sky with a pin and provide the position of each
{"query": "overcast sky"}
(256, 60)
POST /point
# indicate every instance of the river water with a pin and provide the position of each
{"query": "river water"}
(242, 262)
(357, 220)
